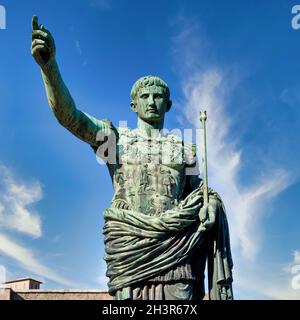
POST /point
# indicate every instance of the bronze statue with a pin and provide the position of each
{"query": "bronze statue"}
(159, 233)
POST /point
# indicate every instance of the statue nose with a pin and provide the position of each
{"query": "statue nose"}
(151, 100)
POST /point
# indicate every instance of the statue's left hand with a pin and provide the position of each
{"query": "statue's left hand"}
(207, 214)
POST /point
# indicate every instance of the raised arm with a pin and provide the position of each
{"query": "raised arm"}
(61, 102)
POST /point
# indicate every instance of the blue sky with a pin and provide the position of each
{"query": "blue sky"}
(239, 59)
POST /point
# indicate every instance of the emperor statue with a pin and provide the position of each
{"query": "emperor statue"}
(159, 234)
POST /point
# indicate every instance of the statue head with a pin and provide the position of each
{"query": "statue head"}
(150, 97)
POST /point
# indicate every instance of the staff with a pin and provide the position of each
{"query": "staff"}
(203, 118)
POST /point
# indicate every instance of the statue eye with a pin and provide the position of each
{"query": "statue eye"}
(145, 96)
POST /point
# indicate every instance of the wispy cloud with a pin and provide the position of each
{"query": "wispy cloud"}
(80, 52)
(296, 255)
(209, 85)
(78, 47)
(27, 259)
(102, 280)
(15, 199)
(287, 284)
(2, 275)
(17, 214)
(296, 261)
(245, 204)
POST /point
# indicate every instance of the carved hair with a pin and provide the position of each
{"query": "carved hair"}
(148, 81)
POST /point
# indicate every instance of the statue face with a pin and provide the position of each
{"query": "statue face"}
(151, 104)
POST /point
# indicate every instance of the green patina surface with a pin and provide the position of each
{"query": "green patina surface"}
(159, 233)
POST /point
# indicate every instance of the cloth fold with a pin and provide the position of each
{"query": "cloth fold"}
(139, 247)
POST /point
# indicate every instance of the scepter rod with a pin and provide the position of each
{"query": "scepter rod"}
(203, 118)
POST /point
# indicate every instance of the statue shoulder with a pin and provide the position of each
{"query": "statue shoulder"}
(109, 127)
(124, 132)
(126, 136)
(105, 130)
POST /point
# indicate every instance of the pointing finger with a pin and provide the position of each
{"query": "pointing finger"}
(35, 24)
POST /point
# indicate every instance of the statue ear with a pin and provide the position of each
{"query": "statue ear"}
(169, 105)
(133, 106)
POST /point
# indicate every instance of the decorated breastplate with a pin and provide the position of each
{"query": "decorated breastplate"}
(150, 175)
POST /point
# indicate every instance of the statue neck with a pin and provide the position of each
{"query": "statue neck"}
(148, 128)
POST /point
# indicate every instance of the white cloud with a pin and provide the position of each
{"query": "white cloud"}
(2, 275)
(279, 288)
(15, 199)
(210, 87)
(102, 280)
(287, 284)
(296, 261)
(296, 255)
(26, 258)
(17, 215)
(245, 204)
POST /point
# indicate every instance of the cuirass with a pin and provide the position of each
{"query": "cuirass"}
(148, 188)
(150, 175)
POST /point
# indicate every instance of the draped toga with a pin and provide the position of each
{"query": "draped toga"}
(139, 247)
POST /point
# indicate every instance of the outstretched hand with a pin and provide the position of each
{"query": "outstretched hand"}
(42, 43)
